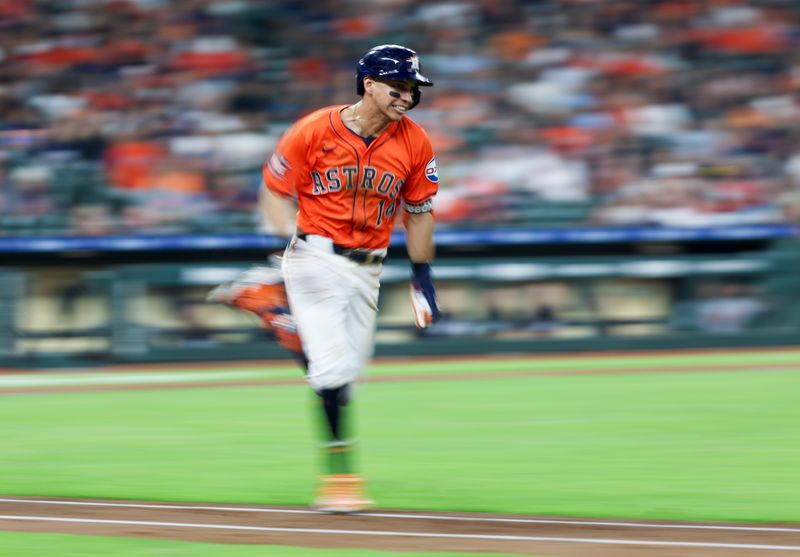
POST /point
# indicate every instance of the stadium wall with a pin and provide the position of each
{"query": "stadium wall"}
(501, 291)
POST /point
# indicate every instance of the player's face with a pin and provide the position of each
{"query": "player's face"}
(393, 97)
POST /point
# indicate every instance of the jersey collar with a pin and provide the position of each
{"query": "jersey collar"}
(348, 134)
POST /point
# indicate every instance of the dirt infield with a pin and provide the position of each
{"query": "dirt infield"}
(282, 381)
(398, 530)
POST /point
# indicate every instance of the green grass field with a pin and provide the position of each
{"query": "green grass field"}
(686, 446)
(40, 545)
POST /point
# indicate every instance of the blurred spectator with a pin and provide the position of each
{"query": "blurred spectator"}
(130, 161)
(29, 192)
(728, 308)
(93, 220)
(549, 112)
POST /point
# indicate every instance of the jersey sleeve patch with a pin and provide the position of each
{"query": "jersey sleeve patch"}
(278, 166)
(431, 172)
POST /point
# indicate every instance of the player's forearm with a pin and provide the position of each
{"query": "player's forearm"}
(278, 211)
(419, 237)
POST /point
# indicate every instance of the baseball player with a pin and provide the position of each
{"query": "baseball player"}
(350, 170)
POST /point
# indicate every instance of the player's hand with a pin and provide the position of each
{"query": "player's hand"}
(423, 296)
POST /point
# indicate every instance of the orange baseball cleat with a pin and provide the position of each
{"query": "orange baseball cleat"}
(342, 493)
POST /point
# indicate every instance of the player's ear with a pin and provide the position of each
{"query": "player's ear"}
(369, 83)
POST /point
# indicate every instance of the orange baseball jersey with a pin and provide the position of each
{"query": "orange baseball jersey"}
(346, 190)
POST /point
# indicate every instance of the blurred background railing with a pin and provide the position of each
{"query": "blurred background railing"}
(546, 291)
(133, 133)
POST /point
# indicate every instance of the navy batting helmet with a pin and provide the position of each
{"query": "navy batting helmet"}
(391, 61)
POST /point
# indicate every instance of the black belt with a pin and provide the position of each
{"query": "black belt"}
(354, 254)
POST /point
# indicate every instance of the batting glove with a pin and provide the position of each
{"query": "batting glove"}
(423, 296)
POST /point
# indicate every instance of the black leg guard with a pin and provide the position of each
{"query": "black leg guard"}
(333, 402)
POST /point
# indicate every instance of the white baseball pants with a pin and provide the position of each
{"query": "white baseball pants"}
(335, 304)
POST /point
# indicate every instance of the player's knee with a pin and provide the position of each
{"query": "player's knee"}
(334, 373)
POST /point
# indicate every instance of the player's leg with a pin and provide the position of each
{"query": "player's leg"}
(260, 290)
(363, 314)
(341, 489)
(336, 432)
(320, 288)
(359, 322)
(360, 326)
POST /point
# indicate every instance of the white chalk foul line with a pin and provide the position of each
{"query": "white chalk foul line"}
(128, 378)
(411, 516)
(609, 541)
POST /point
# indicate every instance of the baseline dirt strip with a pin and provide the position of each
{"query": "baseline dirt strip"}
(15, 384)
(398, 530)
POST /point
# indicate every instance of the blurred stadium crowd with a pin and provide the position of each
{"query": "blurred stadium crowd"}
(154, 116)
